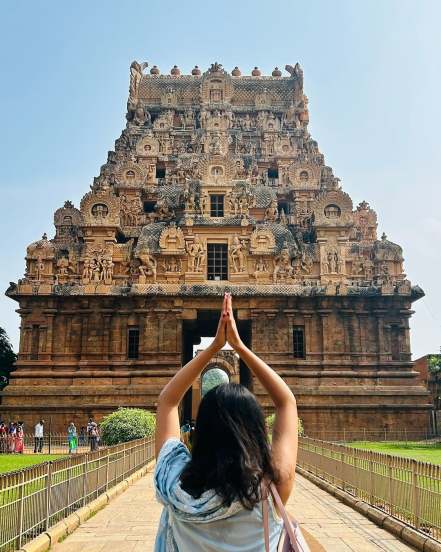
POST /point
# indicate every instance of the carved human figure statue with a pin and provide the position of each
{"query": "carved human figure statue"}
(282, 266)
(135, 78)
(107, 270)
(271, 212)
(196, 255)
(148, 266)
(39, 269)
(63, 266)
(260, 266)
(237, 255)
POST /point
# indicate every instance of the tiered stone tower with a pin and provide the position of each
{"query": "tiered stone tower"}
(215, 184)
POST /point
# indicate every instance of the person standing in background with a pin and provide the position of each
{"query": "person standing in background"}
(19, 438)
(12, 429)
(72, 438)
(38, 436)
(93, 437)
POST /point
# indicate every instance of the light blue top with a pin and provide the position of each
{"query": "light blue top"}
(203, 524)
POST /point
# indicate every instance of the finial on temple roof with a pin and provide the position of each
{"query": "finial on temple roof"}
(216, 68)
(383, 236)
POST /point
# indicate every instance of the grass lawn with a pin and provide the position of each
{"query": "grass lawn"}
(420, 451)
(13, 462)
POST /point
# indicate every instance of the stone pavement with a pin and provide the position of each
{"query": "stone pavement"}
(128, 524)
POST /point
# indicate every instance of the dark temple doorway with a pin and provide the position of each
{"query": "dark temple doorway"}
(192, 333)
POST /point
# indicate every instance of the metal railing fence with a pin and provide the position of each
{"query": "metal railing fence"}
(53, 443)
(369, 434)
(35, 498)
(402, 487)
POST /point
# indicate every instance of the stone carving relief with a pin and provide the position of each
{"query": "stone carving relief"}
(237, 255)
(67, 221)
(131, 175)
(172, 241)
(332, 260)
(97, 265)
(261, 269)
(262, 242)
(216, 87)
(40, 260)
(100, 209)
(131, 209)
(333, 208)
(148, 266)
(136, 73)
(196, 254)
(164, 121)
(169, 98)
(239, 201)
(272, 212)
(162, 212)
(283, 269)
(365, 223)
(148, 146)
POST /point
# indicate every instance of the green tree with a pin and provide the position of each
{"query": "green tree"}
(435, 364)
(270, 423)
(126, 424)
(7, 358)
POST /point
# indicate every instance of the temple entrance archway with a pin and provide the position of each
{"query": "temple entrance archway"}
(205, 325)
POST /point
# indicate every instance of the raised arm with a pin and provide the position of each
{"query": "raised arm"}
(284, 438)
(167, 413)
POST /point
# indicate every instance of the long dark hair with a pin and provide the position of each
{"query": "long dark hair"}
(230, 451)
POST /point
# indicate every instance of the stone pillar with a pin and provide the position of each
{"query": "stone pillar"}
(308, 334)
(48, 348)
(151, 333)
(123, 334)
(84, 334)
(381, 344)
(324, 324)
(107, 322)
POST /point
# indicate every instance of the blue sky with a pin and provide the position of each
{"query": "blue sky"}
(372, 75)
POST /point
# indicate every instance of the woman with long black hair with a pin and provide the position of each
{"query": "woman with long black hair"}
(213, 497)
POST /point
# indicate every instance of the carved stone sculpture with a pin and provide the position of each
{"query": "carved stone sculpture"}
(196, 255)
(237, 255)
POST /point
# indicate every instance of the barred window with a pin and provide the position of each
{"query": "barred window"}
(133, 343)
(298, 341)
(216, 205)
(217, 261)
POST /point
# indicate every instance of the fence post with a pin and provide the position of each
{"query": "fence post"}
(107, 470)
(342, 470)
(48, 494)
(86, 457)
(20, 509)
(371, 481)
(390, 484)
(69, 473)
(415, 494)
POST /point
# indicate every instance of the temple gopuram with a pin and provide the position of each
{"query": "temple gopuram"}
(215, 185)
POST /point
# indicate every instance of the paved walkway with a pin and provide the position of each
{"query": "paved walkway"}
(128, 524)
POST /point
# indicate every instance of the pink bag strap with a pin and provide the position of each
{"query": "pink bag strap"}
(287, 523)
(265, 507)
